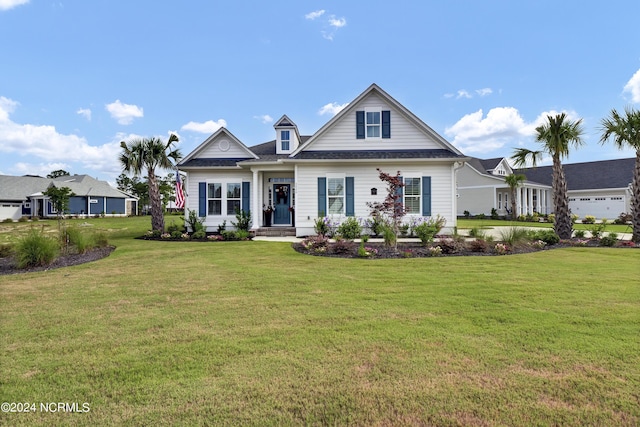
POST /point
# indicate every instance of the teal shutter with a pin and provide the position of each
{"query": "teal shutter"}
(360, 124)
(426, 196)
(202, 199)
(386, 124)
(246, 197)
(322, 196)
(350, 205)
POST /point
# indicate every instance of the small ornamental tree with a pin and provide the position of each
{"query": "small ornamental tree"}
(59, 197)
(391, 209)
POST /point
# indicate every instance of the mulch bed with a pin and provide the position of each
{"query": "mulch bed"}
(8, 264)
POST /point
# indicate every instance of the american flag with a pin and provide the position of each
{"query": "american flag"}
(179, 192)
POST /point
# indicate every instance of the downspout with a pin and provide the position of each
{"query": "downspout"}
(454, 200)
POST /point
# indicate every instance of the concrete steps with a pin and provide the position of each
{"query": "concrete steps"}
(276, 231)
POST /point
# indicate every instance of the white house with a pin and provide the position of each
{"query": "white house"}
(482, 187)
(601, 188)
(330, 173)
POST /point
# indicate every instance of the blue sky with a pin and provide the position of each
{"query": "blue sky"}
(79, 76)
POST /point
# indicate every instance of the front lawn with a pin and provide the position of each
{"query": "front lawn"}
(254, 333)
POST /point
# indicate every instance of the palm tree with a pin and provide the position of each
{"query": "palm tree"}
(625, 131)
(556, 136)
(150, 154)
(514, 181)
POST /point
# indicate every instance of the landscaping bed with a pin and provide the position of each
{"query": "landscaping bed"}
(8, 265)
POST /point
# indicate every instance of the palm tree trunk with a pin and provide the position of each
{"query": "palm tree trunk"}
(563, 225)
(157, 218)
(635, 200)
(514, 204)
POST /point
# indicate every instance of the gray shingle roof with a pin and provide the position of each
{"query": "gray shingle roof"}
(18, 188)
(212, 162)
(587, 176)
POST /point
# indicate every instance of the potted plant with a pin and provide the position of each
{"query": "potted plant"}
(266, 215)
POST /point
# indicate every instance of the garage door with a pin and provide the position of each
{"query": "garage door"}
(609, 207)
(10, 210)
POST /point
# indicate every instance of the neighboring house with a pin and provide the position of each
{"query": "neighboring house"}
(332, 172)
(601, 189)
(22, 196)
(482, 187)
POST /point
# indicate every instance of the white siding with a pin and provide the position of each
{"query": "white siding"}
(366, 177)
(216, 149)
(404, 134)
(194, 178)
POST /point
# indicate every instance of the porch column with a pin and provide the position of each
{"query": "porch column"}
(257, 209)
(518, 202)
(539, 200)
(530, 198)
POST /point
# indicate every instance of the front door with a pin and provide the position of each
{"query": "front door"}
(282, 199)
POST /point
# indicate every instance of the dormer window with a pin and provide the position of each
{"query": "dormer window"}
(285, 138)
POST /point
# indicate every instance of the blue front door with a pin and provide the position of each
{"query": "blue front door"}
(282, 199)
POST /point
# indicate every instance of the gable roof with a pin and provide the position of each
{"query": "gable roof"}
(192, 158)
(588, 175)
(19, 188)
(374, 88)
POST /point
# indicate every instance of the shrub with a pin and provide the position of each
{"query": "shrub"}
(388, 235)
(596, 230)
(243, 220)
(579, 234)
(243, 235)
(350, 229)
(551, 218)
(176, 234)
(514, 235)
(23, 219)
(476, 232)
(229, 235)
(73, 236)
(435, 251)
(171, 228)
(478, 245)
(549, 237)
(36, 249)
(494, 213)
(321, 226)
(100, 239)
(221, 227)
(154, 234)
(501, 249)
(481, 216)
(427, 230)
(199, 235)
(451, 246)
(316, 243)
(589, 219)
(609, 240)
(7, 220)
(342, 246)
(623, 218)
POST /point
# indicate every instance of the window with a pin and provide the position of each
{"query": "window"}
(373, 124)
(214, 199)
(412, 195)
(284, 140)
(335, 196)
(499, 201)
(233, 198)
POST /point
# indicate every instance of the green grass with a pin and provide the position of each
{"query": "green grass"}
(253, 333)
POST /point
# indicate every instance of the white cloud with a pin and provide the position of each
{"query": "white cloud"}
(315, 14)
(463, 94)
(264, 118)
(332, 108)
(337, 22)
(85, 112)
(44, 142)
(42, 169)
(502, 126)
(207, 127)
(10, 4)
(124, 113)
(475, 133)
(633, 87)
(484, 91)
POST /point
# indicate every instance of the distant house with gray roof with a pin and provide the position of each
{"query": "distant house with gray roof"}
(23, 196)
(291, 181)
(601, 188)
